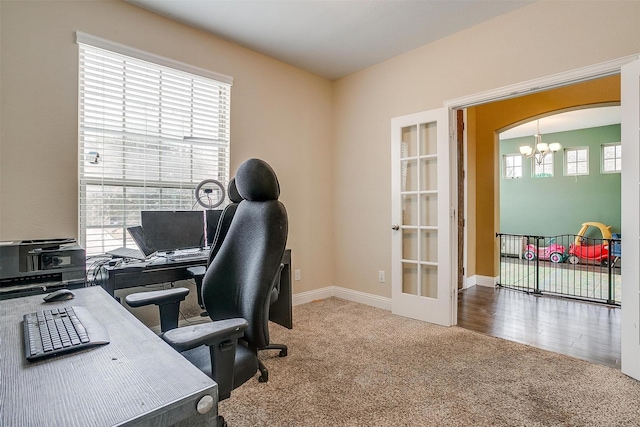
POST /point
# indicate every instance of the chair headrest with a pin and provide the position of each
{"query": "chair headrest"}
(256, 181)
(232, 191)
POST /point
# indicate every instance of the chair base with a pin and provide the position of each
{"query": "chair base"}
(282, 347)
(264, 372)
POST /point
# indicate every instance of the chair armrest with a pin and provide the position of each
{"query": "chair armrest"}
(197, 271)
(209, 334)
(140, 299)
(168, 301)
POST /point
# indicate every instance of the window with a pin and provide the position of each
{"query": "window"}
(148, 134)
(512, 166)
(576, 161)
(612, 158)
(544, 168)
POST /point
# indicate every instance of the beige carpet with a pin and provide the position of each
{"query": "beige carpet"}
(353, 365)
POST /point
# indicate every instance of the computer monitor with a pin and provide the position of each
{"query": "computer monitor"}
(174, 230)
(213, 217)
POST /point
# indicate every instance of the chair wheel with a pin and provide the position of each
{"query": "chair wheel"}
(283, 352)
(263, 378)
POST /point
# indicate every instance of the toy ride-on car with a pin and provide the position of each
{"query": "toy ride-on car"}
(597, 251)
(553, 252)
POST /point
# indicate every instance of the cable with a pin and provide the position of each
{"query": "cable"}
(94, 267)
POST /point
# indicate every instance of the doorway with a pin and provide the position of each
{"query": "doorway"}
(558, 172)
(482, 175)
(482, 166)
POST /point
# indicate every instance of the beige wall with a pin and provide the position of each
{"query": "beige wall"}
(542, 39)
(329, 142)
(279, 113)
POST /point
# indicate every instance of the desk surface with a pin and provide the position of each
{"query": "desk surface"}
(136, 379)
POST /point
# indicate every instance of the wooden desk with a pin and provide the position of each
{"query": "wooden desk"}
(136, 379)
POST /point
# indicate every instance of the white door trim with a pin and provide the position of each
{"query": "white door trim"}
(630, 309)
(541, 84)
(538, 85)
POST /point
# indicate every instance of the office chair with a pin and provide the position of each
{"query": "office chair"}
(223, 227)
(237, 286)
(197, 273)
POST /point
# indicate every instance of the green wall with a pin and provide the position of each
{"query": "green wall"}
(560, 204)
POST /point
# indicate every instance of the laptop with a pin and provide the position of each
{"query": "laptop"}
(146, 247)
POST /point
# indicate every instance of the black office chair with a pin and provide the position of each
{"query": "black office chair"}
(223, 227)
(237, 285)
(197, 273)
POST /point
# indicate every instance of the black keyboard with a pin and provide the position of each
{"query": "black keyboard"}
(61, 330)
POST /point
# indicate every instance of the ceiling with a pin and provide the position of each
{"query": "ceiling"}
(334, 38)
(571, 120)
(331, 38)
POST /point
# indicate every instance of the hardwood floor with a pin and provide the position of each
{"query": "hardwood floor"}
(583, 330)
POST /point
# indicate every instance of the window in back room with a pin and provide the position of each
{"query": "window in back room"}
(148, 134)
(612, 158)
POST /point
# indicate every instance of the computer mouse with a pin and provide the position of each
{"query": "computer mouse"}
(59, 295)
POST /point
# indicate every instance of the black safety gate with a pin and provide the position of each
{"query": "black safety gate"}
(568, 265)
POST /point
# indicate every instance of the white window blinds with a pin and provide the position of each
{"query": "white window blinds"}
(148, 134)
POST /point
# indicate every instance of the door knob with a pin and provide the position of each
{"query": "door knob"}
(395, 227)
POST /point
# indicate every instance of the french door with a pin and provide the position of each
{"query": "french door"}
(422, 217)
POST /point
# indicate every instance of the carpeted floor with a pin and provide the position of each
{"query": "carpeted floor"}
(354, 365)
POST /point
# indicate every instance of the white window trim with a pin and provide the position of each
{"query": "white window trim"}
(159, 62)
(84, 38)
(602, 157)
(565, 161)
(534, 163)
(504, 165)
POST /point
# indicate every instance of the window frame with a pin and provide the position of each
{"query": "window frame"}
(566, 160)
(505, 167)
(170, 162)
(543, 164)
(617, 160)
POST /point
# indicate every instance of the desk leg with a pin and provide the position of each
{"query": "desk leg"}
(106, 281)
(198, 280)
(281, 311)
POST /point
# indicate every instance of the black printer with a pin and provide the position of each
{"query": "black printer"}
(30, 267)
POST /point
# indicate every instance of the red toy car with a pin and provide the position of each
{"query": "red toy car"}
(582, 250)
(554, 252)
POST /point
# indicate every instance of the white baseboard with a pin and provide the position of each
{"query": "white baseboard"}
(482, 281)
(316, 294)
(344, 293)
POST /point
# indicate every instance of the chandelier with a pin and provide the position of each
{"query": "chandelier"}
(539, 149)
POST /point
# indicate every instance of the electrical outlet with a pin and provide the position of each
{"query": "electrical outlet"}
(296, 275)
(381, 276)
